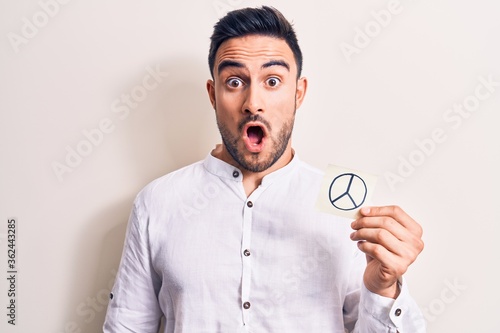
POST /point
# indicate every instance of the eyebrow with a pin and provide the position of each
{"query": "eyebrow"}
(231, 63)
(277, 63)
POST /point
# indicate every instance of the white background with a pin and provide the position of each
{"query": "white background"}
(365, 111)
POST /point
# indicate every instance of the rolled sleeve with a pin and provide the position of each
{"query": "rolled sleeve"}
(133, 305)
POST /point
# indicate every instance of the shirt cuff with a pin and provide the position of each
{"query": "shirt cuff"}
(387, 311)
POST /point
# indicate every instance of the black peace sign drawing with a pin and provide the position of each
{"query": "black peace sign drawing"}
(348, 191)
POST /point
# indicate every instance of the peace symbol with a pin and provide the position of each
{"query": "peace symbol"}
(347, 191)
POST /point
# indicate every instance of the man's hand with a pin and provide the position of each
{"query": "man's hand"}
(391, 240)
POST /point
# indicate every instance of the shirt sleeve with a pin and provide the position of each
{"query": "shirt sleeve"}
(133, 304)
(367, 312)
(383, 314)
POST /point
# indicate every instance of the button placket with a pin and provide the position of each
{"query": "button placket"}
(247, 262)
(250, 205)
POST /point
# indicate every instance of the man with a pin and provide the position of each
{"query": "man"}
(234, 244)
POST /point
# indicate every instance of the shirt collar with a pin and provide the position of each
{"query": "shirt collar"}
(226, 171)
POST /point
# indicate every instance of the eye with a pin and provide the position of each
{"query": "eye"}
(234, 82)
(273, 82)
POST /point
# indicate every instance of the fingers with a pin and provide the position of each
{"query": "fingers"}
(391, 265)
(397, 214)
(391, 240)
(383, 223)
(388, 235)
(386, 240)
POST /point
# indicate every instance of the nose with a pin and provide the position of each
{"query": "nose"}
(254, 102)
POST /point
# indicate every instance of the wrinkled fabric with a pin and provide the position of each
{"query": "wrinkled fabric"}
(201, 254)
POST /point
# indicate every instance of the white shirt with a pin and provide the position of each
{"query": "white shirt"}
(209, 259)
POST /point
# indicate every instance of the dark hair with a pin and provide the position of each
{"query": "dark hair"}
(266, 21)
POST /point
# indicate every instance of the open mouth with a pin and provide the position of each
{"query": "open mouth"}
(255, 135)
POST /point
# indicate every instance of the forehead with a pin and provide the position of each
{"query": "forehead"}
(255, 50)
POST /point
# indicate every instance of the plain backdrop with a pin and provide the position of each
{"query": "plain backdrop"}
(380, 88)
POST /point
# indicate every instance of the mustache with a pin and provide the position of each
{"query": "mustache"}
(254, 118)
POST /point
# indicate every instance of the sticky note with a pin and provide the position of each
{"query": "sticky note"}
(344, 191)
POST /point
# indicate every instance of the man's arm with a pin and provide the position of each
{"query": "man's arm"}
(133, 304)
(391, 241)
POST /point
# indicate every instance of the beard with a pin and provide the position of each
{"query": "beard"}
(257, 162)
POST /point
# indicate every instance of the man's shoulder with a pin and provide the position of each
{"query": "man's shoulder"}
(309, 171)
(181, 177)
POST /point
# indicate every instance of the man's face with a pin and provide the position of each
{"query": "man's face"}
(255, 93)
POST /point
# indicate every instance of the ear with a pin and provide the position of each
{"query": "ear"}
(211, 92)
(300, 93)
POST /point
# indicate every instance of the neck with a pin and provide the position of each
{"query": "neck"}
(252, 180)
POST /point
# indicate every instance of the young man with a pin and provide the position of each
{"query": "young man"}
(234, 244)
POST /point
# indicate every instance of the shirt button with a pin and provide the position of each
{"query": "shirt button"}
(246, 253)
(111, 296)
(246, 305)
(397, 312)
(250, 204)
(235, 174)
